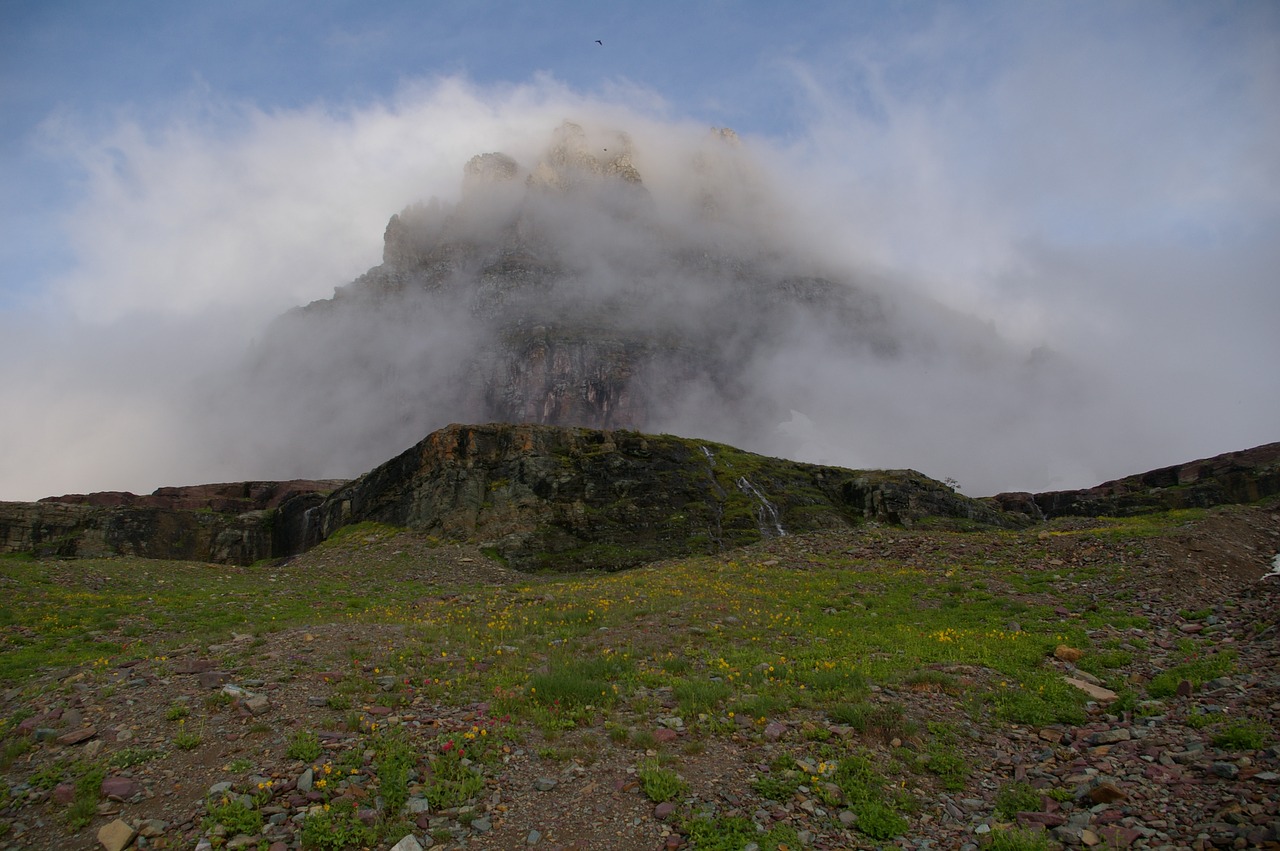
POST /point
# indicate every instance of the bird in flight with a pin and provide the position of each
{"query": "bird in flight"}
(599, 42)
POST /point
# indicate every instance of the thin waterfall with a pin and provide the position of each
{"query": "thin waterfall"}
(767, 517)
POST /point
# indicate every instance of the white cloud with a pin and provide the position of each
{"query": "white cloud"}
(1107, 184)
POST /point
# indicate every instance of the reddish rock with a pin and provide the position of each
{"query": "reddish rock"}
(1117, 836)
(194, 666)
(213, 679)
(1045, 820)
(64, 793)
(775, 730)
(1068, 654)
(120, 788)
(662, 734)
(1106, 793)
(664, 810)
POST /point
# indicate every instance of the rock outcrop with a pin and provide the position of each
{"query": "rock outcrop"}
(538, 496)
(1233, 477)
(227, 523)
(573, 498)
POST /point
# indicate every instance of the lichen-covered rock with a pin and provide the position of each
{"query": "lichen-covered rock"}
(568, 498)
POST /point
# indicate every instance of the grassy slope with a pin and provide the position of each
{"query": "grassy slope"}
(802, 631)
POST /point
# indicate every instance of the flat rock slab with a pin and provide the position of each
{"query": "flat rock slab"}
(1098, 693)
(116, 836)
(75, 737)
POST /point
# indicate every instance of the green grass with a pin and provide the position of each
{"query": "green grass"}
(733, 833)
(1196, 670)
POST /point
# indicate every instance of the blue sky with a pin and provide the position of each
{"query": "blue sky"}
(1099, 178)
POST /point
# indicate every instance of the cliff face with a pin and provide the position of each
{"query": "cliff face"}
(560, 498)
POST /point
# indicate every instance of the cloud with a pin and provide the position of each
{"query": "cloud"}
(1101, 186)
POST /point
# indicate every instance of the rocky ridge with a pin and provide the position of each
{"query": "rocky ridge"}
(569, 498)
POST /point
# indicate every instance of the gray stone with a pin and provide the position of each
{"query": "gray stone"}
(482, 825)
(1110, 737)
(533, 838)
(151, 828)
(544, 784)
(408, 843)
(306, 779)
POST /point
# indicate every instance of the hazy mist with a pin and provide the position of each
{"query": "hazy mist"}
(983, 344)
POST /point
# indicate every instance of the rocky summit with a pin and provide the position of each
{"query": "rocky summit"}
(590, 283)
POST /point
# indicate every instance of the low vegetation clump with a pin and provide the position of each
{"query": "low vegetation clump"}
(232, 815)
(1019, 839)
(335, 827)
(303, 745)
(1016, 797)
(733, 833)
(1242, 735)
(660, 784)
